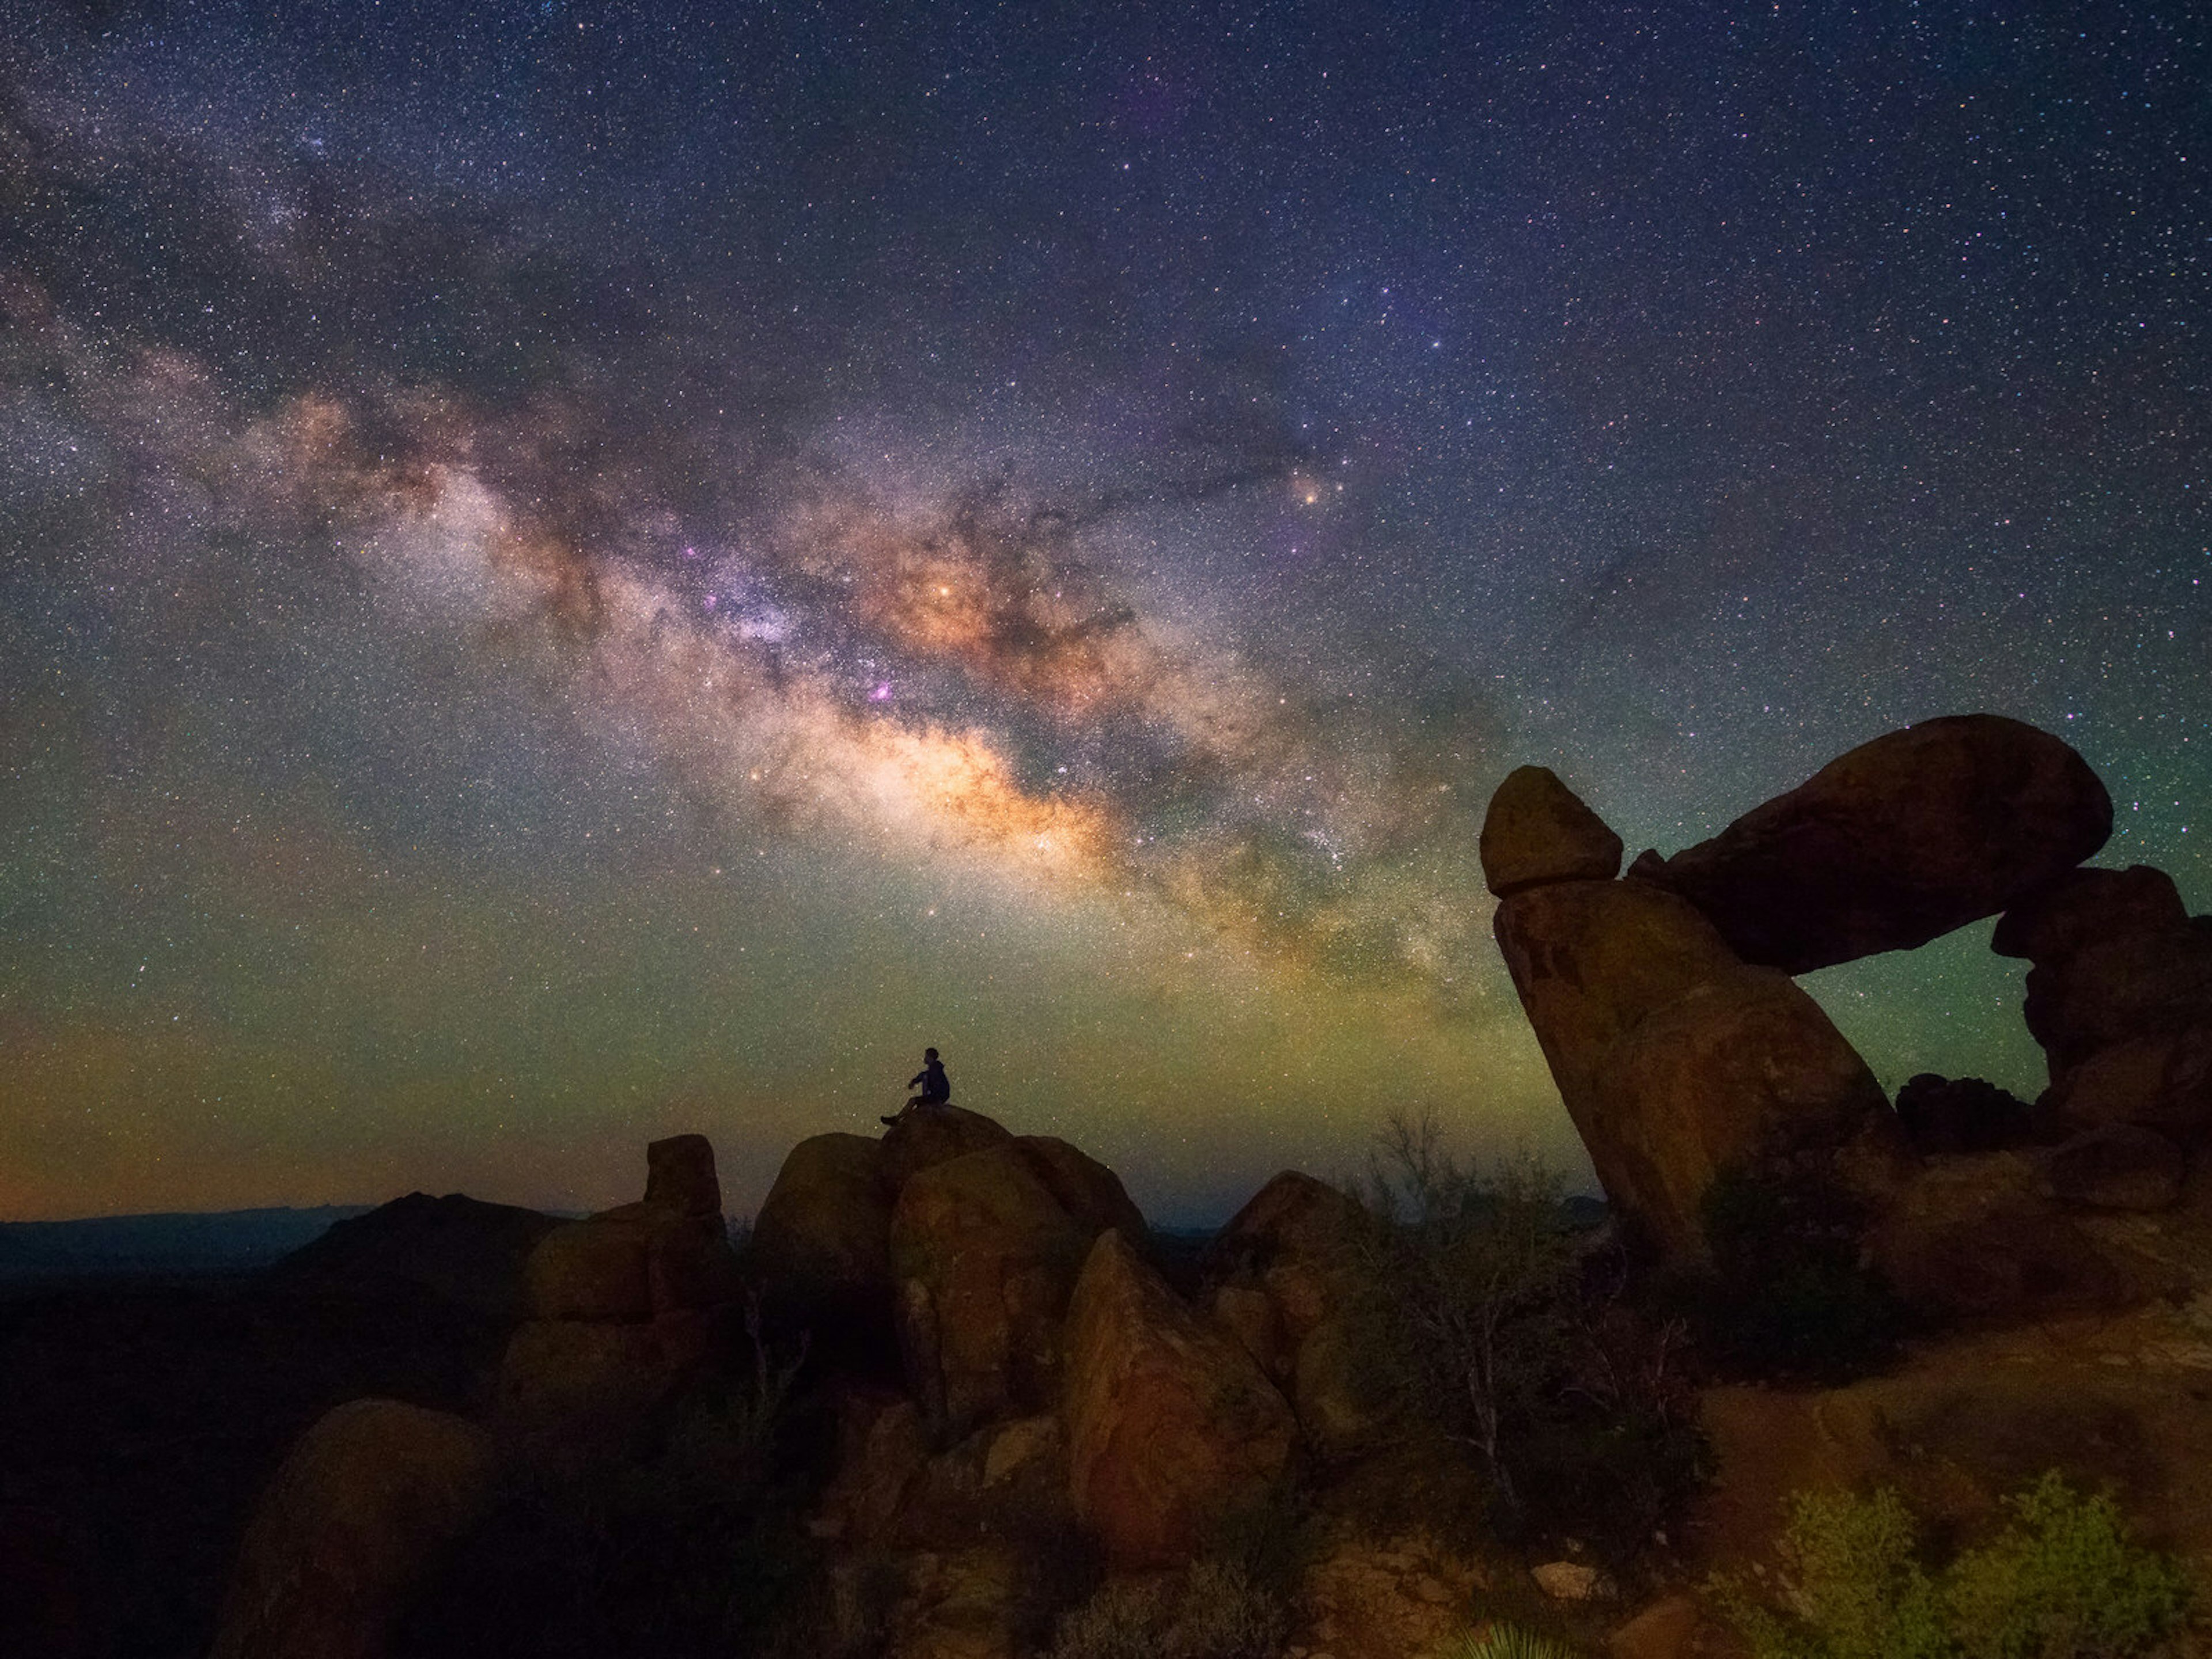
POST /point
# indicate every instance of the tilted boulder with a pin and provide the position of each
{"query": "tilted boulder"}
(345, 1533)
(1678, 1061)
(1538, 831)
(1920, 831)
(2083, 907)
(983, 1257)
(827, 1221)
(1169, 1424)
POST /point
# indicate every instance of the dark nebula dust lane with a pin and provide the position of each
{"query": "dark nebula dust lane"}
(570, 571)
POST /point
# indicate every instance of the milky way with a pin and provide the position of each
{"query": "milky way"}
(575, 570)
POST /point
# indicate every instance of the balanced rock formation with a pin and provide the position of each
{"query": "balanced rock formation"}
(347, 1529)
(1677, 1059)
(1169, 1423)
(984, 1257)
(1920, 831)
(622, 1309)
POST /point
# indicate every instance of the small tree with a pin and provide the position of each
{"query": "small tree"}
(1472, 1268)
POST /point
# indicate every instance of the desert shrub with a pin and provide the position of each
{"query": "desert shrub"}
(1215, 1610)
(1788, 1296)
(2061, 1581)
(1504, 1641)
(1489, 1317)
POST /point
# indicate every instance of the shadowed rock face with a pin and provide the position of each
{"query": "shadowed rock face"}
(1902, 839)
(827, 1221)
(1169, 1423)
(345, 1533)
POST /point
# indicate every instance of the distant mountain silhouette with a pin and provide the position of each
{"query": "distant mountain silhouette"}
(186, 1243)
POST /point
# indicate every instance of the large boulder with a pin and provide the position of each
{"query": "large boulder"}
(1677, 1061)
(929, 1135)
(2161, 1083)
(827, 1221)
(1538, 831)
(983, 1257)
(1169, 1424)
(2083, 907)
(344, 1533)
(1902, 839)
(679, 1176)
(570, 1391)
(2115, 1166)
(1960, 1115)
(1281, 1278)
(1085, 1189)
(2153, 982)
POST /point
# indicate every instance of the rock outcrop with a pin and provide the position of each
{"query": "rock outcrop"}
(454, 1249)
(1169, 1423)
(2119, 994)
(1942, 1114)
(1920, 831)
(922, 1138)
(623, 1310)
(1676, 1058)
(356, 1515)
(1279, 1278)
(984, 1257)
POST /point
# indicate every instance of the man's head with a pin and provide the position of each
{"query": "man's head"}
(929, 1054)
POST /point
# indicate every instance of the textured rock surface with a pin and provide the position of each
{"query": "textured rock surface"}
(2162, 1082)
(1538, 831)
(925, 1137)
(356, 1514)
(571, 1390)
(1979, 1238)
(1902, 839)
(2113, 990)
(1169, 1423)
(2116, 1166)
(827, 1221)
(1085, 1189)
(984, 1258)
(1676, 1060)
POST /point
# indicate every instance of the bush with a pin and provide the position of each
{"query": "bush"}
(2062, 1581)
(1788, 1297)
(1491, 1319)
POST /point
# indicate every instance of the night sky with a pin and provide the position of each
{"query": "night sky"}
(573, 571)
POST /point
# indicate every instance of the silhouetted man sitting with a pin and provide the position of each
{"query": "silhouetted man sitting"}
(936, 1087)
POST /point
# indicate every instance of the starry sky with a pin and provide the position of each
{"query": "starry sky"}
(571, 571)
